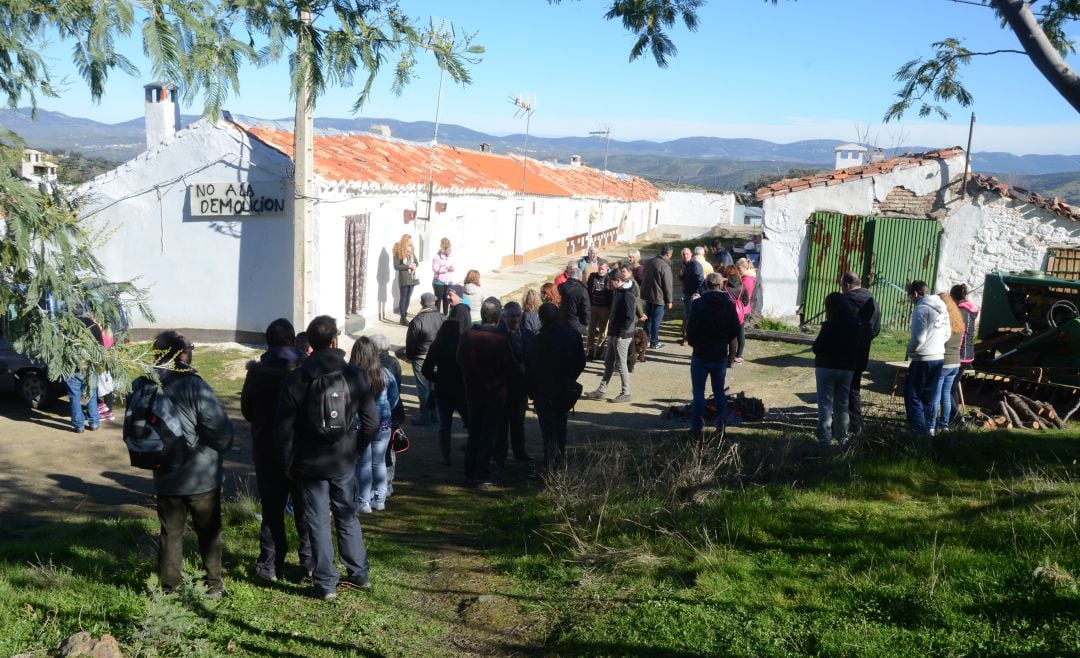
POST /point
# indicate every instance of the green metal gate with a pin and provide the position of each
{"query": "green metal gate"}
(887, 252)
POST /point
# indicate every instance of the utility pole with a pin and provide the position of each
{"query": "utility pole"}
(304, 187)
(526, 107)
(967, 158)
(606, 132)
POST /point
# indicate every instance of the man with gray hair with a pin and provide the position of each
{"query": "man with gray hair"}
(488, 370)
(418, 339)
(575, 307)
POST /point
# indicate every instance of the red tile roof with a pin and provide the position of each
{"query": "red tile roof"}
(1056, 205)
(868, 170)
(368, 160)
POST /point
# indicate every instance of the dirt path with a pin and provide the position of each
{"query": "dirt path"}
(46, 470)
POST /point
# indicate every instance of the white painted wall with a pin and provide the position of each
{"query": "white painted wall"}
(201, 272)
(702, 209)
(991, 233)
(236, 273)
(783, 252)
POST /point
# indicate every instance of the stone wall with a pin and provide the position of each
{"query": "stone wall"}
(902, 202)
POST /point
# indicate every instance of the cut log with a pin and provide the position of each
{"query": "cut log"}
(1011, 414)
(1000, 420)
(1026, 413)
(1044, 410)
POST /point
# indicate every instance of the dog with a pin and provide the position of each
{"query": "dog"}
(638, 348)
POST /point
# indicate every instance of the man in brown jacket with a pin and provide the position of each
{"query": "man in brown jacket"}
(488, 369)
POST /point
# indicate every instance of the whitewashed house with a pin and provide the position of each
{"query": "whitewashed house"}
(204, 217)
(898, 220)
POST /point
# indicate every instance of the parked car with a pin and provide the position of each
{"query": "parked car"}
(27, 377)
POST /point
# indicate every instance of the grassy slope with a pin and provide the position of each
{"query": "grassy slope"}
(891, 554)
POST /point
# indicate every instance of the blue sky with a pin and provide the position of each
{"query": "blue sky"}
(799, 70)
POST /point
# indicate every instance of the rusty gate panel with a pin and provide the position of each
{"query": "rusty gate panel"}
(903, 250)
(837, 243)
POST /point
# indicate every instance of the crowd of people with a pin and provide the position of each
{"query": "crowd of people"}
(322, 421)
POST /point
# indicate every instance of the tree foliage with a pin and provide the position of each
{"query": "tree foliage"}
(926, 84)
(48, 271)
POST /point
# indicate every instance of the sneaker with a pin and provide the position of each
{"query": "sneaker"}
(389, 489)
(77, 430)
(363, 508)
(738, 360)
(92, 428)
(658, 346)
(270, 578)
(215, 595)
(326, 596)
(594, 395)
(625, 397)
(377, 505)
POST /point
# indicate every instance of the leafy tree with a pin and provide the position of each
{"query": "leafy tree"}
(924, 83)
(199, 46)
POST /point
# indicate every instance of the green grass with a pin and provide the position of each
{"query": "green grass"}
(928, 553)
(650, 545)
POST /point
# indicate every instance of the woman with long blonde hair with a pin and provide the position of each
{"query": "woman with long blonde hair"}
(951, 369)
(405, 263)
(530, 306)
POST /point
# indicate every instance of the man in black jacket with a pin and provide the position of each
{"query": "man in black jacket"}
(193, 487)
(325, 466)
(656, 292)
(552, 365)
(866, 308)
(418, 339)
(441, 368)
(620, 334)
(693, 280)
(712, 329)
(517, 399)
(258, 403)
(574, 308)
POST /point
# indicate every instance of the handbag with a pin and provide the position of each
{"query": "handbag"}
(399, 440)
(573, 393)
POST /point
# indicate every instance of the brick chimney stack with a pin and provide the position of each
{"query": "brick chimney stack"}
(162, 113)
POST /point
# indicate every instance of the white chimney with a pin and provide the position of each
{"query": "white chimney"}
(850, 155)
(575, 160)
(380, 129)
(162, 113)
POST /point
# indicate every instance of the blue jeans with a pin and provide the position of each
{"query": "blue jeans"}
(371, 476)
(652, 325)
(948, 376)
(423, 390)
(833, 391)
(700, 369)
(922, 390)
(75, 386)
(336, 495)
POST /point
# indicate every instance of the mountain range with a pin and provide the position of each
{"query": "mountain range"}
(713, 162)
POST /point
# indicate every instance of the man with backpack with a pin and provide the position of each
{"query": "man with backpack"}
(326, 413)
(181, 432)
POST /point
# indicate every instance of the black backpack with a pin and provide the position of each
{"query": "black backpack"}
(152, 431)
(327, 406)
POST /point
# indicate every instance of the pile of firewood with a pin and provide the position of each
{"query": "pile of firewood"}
(1019, 411)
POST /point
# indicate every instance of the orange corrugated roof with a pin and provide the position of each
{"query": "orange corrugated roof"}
(855, 173)
(381, 162)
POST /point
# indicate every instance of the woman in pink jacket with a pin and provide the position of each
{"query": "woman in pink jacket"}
(443, 267)
(749, 282)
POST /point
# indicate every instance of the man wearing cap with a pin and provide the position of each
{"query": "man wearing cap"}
(418, 339)
(193, 487)
(575, 307)
(455, 294)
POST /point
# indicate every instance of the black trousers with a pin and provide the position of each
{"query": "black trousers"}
(205, 511)
(485, 418)
(552, 418)
(513, 425)
(274, 492)
(855, 417)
